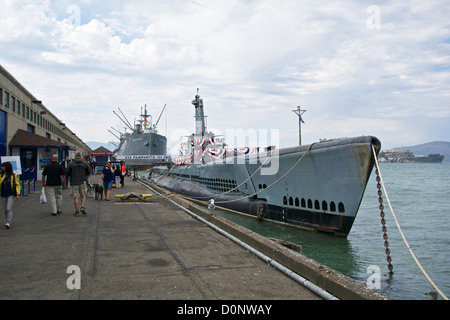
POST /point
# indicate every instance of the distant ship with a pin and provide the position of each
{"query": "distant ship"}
(318, 186)
(144, 146)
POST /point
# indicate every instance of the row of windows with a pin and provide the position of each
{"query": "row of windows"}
(36, 118)
(309, 203)
(218, 185)
(10, 102)
(314, 205)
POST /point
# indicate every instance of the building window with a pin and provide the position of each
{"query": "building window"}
(18, 107)
(13, 104)
(30, 128)
(23, 110)
(1, 96)
(28, 113)
(6, 101)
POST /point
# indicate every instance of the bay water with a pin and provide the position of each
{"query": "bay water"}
(420, 197)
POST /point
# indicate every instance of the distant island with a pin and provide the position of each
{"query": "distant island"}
(399, 156)
(431, 152)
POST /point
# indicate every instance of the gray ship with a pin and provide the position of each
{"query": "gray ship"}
(318, 186)
(144, 146)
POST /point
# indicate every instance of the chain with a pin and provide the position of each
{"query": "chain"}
(383, 223)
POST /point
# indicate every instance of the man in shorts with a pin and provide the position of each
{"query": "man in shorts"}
(79, 171)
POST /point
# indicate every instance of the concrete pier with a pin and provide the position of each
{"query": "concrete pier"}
(129, 250)
(152, 250)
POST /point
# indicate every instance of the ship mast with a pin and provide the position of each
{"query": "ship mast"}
(299, 112)
(145, 116)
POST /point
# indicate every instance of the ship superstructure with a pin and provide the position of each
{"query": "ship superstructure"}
(144, 146)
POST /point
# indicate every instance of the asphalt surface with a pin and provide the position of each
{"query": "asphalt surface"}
(128, 250)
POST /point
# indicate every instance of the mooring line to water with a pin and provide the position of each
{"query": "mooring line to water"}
(401, 232)
(276, 181)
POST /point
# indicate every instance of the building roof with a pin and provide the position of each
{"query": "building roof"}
(23, 138)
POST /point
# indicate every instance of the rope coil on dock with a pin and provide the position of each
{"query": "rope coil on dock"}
(401, 232)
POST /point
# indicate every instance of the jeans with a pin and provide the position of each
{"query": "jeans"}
(8, 204)
(107, 185)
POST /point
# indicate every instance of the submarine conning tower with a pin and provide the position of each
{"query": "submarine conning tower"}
(200, 126)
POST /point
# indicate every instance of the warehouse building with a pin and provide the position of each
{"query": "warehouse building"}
(30, 131)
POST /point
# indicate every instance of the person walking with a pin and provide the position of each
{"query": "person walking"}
(79, 171)
(10, 190)
(52, 178)
(107, 177)
(117, 175)
(65, 165)
(124, 172)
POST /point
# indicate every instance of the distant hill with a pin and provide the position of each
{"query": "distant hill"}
(94, 145)
(441, 147)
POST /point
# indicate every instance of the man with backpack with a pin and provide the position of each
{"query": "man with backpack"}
(79, 171)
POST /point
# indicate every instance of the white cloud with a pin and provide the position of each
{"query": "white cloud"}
(254, 62)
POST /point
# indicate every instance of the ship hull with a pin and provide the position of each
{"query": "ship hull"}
(144, 149)
(318, 187)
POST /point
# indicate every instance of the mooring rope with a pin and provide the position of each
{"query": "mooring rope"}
(278, 180)
(401, 232)
(257, 170)
(235, 188)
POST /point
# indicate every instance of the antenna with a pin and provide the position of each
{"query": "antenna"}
(299, 112)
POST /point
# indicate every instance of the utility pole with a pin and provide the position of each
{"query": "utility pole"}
(299, 112)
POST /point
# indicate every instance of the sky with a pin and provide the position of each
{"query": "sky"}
(378, 68)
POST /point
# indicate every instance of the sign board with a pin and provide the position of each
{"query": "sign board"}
(101, 153)
(15, 161)
(144, 157)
